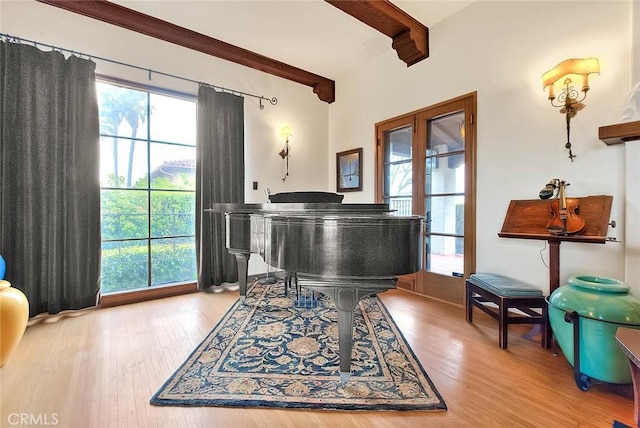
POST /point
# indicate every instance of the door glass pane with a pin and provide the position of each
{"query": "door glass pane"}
(446, 133)
(445, 255)
(444, 174)
(445, 214)
(398, 169)
(397, 179)
(398, 144)
(401, 205)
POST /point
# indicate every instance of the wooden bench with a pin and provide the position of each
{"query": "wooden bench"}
(509, 301)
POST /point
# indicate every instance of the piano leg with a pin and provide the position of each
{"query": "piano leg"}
(345, 301)
(345, 296)
(242, 260)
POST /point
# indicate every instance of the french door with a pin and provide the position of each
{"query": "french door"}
(426, 163)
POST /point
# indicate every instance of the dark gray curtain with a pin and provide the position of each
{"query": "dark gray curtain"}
(219, 178)
(49, 177)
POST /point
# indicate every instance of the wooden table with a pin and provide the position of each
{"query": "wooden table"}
(629, 341)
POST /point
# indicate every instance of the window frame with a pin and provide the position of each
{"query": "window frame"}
(150, 290)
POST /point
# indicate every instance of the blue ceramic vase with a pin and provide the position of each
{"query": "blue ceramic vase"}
(3, 267)
(603, 304)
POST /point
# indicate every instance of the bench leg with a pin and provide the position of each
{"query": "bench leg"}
(503, 327)
(469, 302)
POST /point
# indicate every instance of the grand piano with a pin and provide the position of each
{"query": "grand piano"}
(345, 251)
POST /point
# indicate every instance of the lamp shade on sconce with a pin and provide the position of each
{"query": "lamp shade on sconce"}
(571, 68)
(286, 132)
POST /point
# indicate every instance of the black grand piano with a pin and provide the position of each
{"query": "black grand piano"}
(345, 251)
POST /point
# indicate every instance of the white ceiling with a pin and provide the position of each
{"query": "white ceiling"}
(309, 34)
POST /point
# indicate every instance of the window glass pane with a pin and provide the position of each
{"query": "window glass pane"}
(173, 260)
(173, 213)
(173, 167)
(173, 119)
(444, 174)
(124, 214)
(446, 134)
(445, 214)
(445, 255)
(124, 265)
(123, 111)
(123, 158)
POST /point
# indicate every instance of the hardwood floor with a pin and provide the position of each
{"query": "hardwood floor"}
(101, 367)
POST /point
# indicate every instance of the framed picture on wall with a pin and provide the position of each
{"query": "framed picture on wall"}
(349, 170)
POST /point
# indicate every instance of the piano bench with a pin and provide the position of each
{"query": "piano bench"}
(499, 296)
(304, 298)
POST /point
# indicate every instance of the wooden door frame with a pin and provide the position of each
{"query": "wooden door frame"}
(450, 289)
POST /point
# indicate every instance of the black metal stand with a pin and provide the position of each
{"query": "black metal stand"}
(582, 381)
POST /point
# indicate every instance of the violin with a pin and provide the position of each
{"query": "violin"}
(565, 218)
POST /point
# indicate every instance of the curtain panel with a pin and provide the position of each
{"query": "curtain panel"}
(49, 177)
(219, 178)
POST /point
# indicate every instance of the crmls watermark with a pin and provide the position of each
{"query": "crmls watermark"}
(32, 419)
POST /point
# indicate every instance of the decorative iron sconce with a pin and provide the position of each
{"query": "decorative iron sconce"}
(569, 100)
(286, 132)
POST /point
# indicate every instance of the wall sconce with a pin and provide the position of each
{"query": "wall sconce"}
(286, 132)
(569, 100)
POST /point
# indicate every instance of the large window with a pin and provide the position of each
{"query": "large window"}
(147, 176)
(426, 166)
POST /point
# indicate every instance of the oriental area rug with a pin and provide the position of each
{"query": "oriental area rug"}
(269, 352)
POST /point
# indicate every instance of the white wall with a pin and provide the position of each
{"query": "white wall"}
(500, 49)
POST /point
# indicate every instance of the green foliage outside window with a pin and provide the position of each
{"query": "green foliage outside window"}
(124, 267)
(125, 216)
(125, 212)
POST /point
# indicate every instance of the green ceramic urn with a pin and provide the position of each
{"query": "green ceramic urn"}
(603, 305)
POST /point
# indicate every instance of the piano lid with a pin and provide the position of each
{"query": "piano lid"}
(299, 207)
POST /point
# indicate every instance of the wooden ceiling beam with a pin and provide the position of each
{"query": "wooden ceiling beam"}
(145, 24)
(410, 37)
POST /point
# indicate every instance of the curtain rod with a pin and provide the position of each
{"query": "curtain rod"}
(11, 38)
